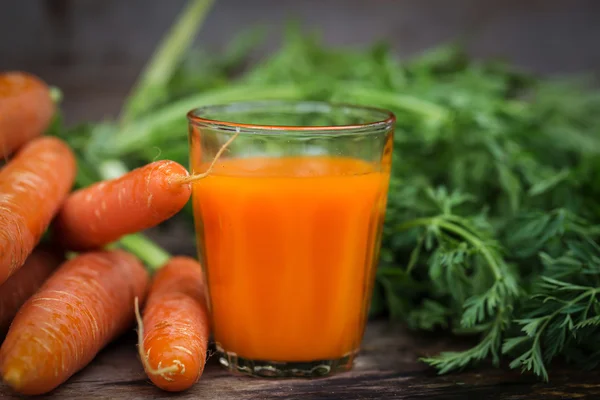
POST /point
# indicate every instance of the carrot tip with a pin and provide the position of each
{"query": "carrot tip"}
(177, 366)
(13, 377)
(196, 177)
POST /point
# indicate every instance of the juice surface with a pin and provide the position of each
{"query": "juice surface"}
(290, 246)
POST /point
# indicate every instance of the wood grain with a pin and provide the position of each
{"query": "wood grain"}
(386, 369)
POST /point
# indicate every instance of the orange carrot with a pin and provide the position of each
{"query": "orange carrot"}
(24, 283)
(173, 336)
(26, 110)
(32, 186)
(102, 213)
(81, 308)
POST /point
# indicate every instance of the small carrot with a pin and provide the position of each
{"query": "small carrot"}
(102, 213)
(24, 283)
(32, 186)
(26, 109)
(173, 335)
(81, 308)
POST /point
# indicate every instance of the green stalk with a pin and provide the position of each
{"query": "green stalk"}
(475, 242)
(369, 97)
(150, 88)
(56, 94)
(147, 130)
(466, 235)
(145, 249)
(112, 169)
(86, 174)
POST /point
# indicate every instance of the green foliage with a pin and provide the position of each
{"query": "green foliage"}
(561, 315)
(493, 198)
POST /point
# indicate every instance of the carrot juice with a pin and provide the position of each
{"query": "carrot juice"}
(289, 245)
(289, 254)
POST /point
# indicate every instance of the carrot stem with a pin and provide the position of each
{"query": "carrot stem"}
(150, 129)
(151, 85)
(146, 250)
(112, 169)
(56, 94)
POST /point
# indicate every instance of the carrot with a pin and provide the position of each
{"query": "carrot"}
(102, 213)
(26, 109)
(32, 186)
(24, 283)
(175, 318)
(81, 308)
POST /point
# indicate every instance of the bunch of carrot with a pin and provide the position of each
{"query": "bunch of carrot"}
(56, 315)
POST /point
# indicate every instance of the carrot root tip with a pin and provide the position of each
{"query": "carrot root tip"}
(196, 177)
(13, 378)
(164, 372)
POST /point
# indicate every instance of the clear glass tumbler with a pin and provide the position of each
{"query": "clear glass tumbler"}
(288, 225)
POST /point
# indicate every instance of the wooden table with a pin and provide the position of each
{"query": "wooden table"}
(386, 369)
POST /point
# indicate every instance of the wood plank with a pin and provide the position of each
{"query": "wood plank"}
(386, 369)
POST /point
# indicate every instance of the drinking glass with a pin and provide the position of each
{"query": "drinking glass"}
(288, 226)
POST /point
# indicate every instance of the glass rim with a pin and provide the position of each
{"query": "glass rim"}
(387, 119)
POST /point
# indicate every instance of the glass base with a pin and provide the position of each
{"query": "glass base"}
(276, 369)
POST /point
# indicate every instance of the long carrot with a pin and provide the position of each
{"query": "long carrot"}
(32, 186)
(26, 109)
(102, 213)
(81, 308)
(173, 336)
(24, 283)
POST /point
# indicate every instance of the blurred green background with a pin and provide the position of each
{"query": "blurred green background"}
(94, 49)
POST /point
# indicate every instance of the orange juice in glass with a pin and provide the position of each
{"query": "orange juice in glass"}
(288, 226)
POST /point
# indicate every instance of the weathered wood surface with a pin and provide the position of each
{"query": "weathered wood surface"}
(386, 369)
